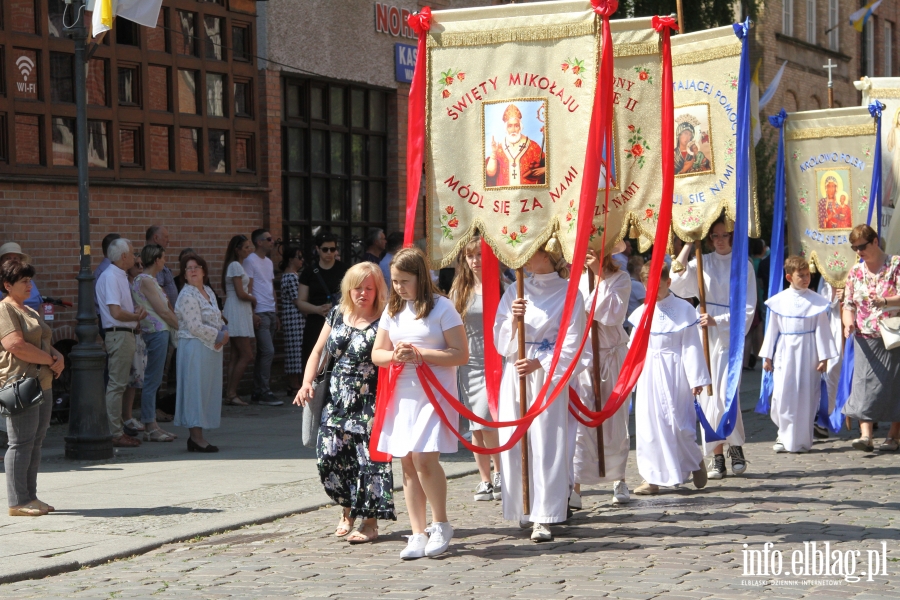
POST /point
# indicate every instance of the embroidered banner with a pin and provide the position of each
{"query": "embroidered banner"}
(508, 107)
(705, 69)
(887, 91)
(828, 167)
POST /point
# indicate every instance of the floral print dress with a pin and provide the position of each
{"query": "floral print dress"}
(350, 478)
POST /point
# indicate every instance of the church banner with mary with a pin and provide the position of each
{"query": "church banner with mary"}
(829, 158)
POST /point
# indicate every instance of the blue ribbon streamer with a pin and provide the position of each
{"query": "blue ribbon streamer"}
(739, 252)
(777, 252)
(835, 420)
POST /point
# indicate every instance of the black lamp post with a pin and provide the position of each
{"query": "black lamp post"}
(89, 437)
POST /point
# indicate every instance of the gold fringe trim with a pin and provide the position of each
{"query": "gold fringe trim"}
(521, 34)
(816, 262)
(884, 93)
(636, 49)
(699, 56)
(815, 133)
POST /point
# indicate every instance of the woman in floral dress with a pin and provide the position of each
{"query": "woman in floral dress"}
(363, 488)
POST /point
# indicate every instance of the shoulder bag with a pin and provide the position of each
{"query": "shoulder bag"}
(19, 395)
(890, 331)
(312, 412)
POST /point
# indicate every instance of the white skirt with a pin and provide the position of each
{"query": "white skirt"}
(240, 317)
(411, 423)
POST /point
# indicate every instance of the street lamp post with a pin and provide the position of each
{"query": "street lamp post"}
(88, 437)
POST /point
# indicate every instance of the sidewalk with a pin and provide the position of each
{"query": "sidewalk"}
(159, 493)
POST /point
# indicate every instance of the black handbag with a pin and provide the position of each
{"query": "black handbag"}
(18, 396)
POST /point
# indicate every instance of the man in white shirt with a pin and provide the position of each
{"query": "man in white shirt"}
(119, 318)
(260, 269)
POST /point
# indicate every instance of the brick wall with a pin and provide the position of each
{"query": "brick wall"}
(270, 105)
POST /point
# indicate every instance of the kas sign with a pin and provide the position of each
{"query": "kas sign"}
(404, 62)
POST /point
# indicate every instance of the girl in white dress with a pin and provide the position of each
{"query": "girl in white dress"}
(717, 283)
(613, 292)
(467, 297)
(420, 325)
(549, 458)
(673, 374)
(239, 305)
(797, 347)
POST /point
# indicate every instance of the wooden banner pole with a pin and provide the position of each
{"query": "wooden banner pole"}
(523, 397)
(595, 347)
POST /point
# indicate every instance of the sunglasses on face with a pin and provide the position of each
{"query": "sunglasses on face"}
(860, 248)
(329, 249)
(268, 239)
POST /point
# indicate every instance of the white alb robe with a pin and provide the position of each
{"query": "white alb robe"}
(665, 419)
(798, 336)
(833, 371)
(610, 314)
(548, 436)
(717, 277)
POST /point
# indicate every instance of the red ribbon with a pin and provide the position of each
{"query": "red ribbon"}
(660, 23)
(493, 363)
(605, 8)
(420, 22)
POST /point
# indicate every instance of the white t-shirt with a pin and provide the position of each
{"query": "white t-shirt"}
(262, 271)
(112, 288)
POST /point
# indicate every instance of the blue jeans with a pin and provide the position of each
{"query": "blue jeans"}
(157, 348)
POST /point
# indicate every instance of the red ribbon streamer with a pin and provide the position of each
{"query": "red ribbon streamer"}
(493, 363)
(420, 22)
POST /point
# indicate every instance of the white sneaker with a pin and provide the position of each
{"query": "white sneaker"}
(620, 493)
(778, 447)
(541, 533)
(496, 493)
(415, 547)
(484, 491)
(575, 500)
(439, 541)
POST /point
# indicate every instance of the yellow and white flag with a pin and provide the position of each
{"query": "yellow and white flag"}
(142, 12)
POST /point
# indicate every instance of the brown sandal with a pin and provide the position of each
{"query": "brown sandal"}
(345, 526)
(26, 510)
(44, 506)
(234, 401)
(358, 537)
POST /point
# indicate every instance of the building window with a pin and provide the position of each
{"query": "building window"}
(243, 154)
(834, 33)
(98, 146)
(870, 47)
(888, 49)
(157, 36)
(787, 18)
(127, 33)
(187, 39)
(242, 101)
(62, 77)
(189, 139)
(159, 148)
(130, 146)
(240, 43)
(333, 162)
(187, 92)
(22, 16)
(63, 134)
(129, 91)
(811, 21)
(27, 74)
(96, 82)
(55, 9)
(29, 146)
(215, 48)
(218, 150)
(159, 88)
(215, 95)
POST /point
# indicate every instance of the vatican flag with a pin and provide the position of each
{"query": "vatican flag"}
(142, 12)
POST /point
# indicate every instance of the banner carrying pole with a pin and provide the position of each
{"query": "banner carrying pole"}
(523, 396)
(595, 379)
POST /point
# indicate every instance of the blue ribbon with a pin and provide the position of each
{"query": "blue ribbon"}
(875, 108)
(544, 345)
(739, 251)
(776, 274)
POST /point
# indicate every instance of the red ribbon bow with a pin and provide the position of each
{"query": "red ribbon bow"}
(420, 22)
(605, 8)
(660, 23)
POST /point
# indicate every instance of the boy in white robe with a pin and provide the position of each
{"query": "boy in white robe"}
(674, 373)
(797, 347)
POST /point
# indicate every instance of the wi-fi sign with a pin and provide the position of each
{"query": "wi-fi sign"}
(25, 66)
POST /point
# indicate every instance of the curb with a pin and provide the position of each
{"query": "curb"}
(133, 546)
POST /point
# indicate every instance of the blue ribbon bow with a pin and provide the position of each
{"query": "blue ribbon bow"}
(544, 345)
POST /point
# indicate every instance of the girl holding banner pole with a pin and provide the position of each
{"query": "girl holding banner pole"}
(418, 326)
(541, 309)
(717, 283)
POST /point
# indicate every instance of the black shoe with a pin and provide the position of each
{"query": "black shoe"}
(738, 462)
(267, 399)
(820, 433)
(717, 468)
(193, 446)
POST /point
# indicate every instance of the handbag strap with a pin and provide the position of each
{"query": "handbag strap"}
(326, 363)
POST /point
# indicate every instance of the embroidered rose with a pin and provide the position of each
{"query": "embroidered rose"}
(578, 83)
(504, 230)
(445, 93)
(513, 235)
(631, 128)
(449, 80)
(461, 76)
(648, 214)
(523, 229)
(565, 66)
(643, 75)
(637, 150)
(454, 222)
(449, 210)
(576, 69)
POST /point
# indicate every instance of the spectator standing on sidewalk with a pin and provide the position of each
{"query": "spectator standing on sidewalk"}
(104, 264)
(130, 425)
(13, 250)
(261, 271)
(118, 318)
(239, 305)
(292, 320)
(375, 244)
(394, 243)
(159, 235)
(320, 289)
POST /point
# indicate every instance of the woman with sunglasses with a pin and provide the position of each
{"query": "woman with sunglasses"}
(872, 293)
(320, 288)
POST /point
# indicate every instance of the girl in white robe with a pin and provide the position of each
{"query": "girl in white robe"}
(673, 374)
(613, 292)
(799, 343)
(717, 283)
(833, 370)
(541, 308)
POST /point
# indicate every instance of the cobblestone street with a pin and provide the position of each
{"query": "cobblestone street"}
(680, 544)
